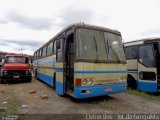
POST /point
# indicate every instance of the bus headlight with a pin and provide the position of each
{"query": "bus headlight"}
(123, 79)
(84, 81)
(87, 81)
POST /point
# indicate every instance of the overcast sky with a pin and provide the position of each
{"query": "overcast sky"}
(25, 25)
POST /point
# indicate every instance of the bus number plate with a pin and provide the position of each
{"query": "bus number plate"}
(108, 89)
(15, 76)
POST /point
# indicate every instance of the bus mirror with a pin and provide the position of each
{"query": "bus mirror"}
(58, 44)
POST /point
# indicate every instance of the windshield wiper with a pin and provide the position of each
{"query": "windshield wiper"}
(109, 46)
(118, 60)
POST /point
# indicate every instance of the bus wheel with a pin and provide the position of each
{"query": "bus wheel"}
(29, 80)
(131, 83)
(54, 81)
(35, 74)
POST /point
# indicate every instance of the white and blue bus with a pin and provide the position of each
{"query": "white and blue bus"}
(143, 63)
(83, 61)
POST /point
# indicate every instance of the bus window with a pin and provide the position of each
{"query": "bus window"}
(146, 56)
(115, 47)
(131, 52)
(59, 51)
(40, 54)
(50, 48)
(44, 52)
(54, 49)
(90, 45)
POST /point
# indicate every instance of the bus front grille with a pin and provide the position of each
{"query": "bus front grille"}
(97, 82)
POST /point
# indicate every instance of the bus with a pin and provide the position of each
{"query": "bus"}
(143, 64)
(83, 61)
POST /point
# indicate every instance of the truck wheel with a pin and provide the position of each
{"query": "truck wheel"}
(29, 80)
(1, 81)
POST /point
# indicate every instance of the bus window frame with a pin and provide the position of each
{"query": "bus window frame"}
(153, 54)
(137, 57)
(95, 61)
(49, 54)
(61, 40)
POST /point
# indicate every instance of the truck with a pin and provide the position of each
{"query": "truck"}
(15, 67)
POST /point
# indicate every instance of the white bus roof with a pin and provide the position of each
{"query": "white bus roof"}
(141, 41)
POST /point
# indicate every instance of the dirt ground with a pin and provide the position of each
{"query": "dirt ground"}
(55, 104)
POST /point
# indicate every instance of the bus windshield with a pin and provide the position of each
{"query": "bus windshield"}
(16, 59)
(98, 46)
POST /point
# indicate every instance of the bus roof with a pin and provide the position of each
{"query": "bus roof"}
(141, 41)
(76, 25)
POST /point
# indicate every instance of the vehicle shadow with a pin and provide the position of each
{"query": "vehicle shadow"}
(154, 94)
(92, 100)
(16, 81)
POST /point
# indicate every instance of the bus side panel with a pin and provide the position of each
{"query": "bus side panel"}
(59, 79)
(147, 86)
(45, 78)
(45, 70)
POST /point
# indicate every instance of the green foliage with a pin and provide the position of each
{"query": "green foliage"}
(9, 106)
(144, 94)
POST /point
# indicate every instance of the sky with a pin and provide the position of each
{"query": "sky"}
(25, 25)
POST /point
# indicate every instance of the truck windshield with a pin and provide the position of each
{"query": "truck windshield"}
(16, 59)
(98, 46)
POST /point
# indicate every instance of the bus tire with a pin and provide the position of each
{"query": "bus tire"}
(54, 81)
(131, 83)
(35, 74)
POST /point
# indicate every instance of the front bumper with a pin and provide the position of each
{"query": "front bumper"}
(99, 90)
(16, 77)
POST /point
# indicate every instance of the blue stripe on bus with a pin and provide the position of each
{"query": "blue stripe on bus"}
(59, 70)
(46, 78)
(59, 88)
(99, 71)
(96, 71)
(49, 80)
(99, 90)
(131, 72)
(148, 86)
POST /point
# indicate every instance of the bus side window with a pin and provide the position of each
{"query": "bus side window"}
(50, 48)
(58, 50)
(146, 56)
(55, 48)
(131, 52)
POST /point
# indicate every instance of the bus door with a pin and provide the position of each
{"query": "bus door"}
(69, 64)
(58, 75)
(157, 56)
(147, 71)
